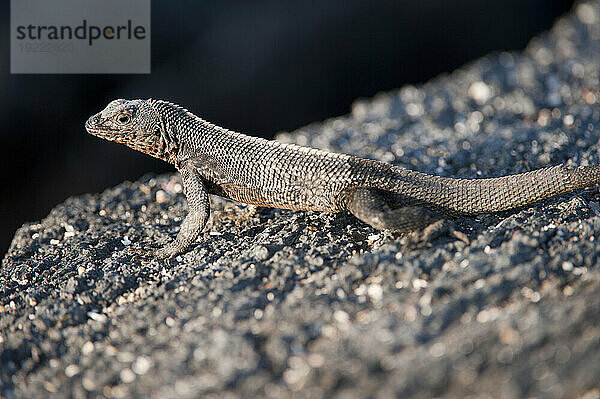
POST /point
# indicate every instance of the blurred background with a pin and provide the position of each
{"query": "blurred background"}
(257, 67)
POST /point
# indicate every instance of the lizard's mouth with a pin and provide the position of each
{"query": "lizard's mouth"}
(94, 126)
(91, 125)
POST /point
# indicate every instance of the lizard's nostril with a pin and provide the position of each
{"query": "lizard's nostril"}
(93, 120)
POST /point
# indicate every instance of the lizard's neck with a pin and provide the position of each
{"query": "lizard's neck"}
(185, 134)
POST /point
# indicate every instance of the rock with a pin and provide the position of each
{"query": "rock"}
(293, 304)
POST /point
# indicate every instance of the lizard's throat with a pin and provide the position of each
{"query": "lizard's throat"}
(154, 148)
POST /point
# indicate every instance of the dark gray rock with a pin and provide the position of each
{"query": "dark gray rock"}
(284, 303)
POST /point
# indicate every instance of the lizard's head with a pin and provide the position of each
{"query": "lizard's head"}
(134, 123)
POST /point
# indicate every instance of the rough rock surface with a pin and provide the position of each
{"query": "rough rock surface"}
(302, 304)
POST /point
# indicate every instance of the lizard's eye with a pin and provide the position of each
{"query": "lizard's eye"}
(124, 119)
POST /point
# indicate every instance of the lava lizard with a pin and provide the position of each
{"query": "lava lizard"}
(214, 160)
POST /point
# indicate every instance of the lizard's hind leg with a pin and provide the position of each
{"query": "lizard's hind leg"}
(372, 207)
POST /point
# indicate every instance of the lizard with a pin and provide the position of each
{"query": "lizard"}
(260, 172)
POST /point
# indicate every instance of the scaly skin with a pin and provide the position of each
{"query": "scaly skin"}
(213, 160)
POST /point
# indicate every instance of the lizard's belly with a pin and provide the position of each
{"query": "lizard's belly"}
(301, 198)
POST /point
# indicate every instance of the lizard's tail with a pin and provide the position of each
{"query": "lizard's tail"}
(474, 196)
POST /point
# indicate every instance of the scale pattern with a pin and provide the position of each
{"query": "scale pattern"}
(256, 171)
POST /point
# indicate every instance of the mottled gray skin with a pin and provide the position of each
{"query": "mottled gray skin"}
(213, 160)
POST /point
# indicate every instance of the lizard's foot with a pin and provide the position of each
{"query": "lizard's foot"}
(141, 254)
(237, 213)
(246, 214)
(440, 228)
(172, 249)
(168, 251)
(147, 255)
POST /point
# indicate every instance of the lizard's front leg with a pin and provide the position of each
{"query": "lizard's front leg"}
(199, 211)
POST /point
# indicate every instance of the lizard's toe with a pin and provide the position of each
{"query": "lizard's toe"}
(166, 252)
(141, 254)
(170, 250)
(437, 229)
